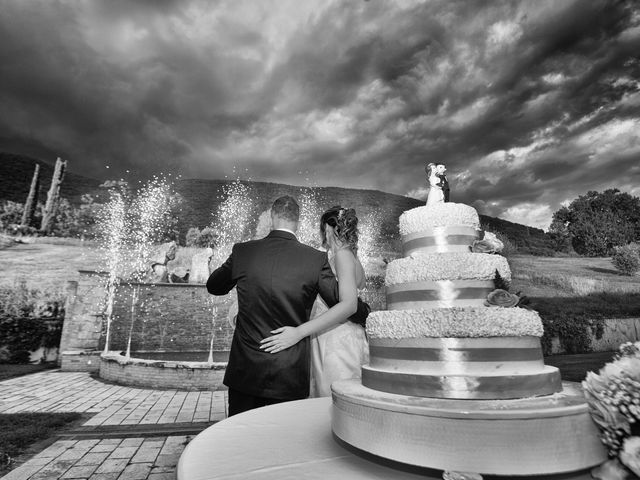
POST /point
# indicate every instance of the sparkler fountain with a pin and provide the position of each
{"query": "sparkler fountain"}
(149, 324)
(112, 226)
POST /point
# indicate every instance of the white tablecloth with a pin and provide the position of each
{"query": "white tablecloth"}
(290, 440)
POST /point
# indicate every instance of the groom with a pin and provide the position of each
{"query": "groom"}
(444, 183)
(277, 280)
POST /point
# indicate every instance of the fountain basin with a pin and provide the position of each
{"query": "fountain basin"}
(158, 373)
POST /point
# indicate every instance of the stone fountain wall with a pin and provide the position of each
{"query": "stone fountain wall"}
(169, 317)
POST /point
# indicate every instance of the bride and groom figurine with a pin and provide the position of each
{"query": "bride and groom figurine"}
(279, 349)
(438, 183)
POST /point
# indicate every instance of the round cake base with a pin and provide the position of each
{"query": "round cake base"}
(532, 436)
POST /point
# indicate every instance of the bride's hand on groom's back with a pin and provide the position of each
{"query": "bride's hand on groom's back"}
(282, 338)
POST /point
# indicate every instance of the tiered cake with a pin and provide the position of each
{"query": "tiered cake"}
(453, 384)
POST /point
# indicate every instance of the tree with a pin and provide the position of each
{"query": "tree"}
(596, 223)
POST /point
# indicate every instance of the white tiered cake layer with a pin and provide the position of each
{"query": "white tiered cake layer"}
(442, 215)
(444, 228)
(462, 353)
(443, 280)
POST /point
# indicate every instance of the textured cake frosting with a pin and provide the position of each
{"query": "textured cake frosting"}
(450, 266)
(442, 215)
(455, 322)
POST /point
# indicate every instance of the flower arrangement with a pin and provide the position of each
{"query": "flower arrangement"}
(613, 396)
(502, 298)
(489, 244)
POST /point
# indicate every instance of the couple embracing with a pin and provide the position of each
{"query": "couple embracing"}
(280, 350)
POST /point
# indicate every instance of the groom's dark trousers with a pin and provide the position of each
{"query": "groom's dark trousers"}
(277, 280)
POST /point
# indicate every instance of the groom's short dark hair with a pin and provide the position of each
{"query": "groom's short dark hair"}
(286, 207)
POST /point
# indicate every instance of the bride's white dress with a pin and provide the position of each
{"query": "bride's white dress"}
(436, 194)
(337, 353)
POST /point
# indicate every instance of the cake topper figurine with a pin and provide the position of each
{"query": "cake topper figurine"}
(438, 183)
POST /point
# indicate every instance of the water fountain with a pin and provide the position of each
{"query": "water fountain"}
(157, 311)
(161, 334)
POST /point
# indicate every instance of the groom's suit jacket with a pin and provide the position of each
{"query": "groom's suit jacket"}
(277, 280)
(444, 183)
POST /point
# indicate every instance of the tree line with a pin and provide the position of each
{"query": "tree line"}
(595, 224)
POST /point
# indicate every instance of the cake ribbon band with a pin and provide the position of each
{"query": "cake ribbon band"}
(439, 239)
(446, 354)
(463, 387)
(438, 291)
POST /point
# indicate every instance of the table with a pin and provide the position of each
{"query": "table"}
(291, 441)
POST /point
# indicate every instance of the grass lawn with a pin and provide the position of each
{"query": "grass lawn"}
(568, 276)
(9, 370)
(45, 266)
(20, 431)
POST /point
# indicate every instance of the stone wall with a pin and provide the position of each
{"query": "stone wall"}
(169, 317)
(84, 309)
(616, 332)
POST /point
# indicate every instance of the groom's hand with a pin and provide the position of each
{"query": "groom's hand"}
(360, 317)
(283, 338)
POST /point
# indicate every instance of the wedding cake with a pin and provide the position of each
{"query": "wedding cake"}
(454, 384)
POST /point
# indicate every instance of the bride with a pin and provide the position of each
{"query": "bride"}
(436, 193)
(338, 346)
(339, 351)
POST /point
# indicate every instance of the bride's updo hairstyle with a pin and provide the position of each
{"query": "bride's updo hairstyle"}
(344, 223)
(430, 169)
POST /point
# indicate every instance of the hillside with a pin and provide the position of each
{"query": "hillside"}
(202, 198)
(16, 172)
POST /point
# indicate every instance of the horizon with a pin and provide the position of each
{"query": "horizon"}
(174, 179)
(528, 104)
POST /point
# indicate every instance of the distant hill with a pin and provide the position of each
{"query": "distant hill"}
(201, 199)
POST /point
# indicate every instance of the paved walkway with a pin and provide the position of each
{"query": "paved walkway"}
(134, 433)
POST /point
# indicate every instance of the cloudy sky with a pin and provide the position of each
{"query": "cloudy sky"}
(528, 103)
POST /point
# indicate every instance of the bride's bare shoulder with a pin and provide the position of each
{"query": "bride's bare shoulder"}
(345, 258)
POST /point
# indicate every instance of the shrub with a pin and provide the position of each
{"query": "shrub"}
(10, 214)
(202, 239)
(192, 237)
(29, 319)
(627, 258)
(575, 319)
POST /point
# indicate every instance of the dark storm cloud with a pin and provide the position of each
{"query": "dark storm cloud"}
(528, 103)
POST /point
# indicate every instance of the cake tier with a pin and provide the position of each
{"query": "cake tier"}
(456, 322)
(449, 266)
(461, 368)
(536, 436)
(455, 238)
(425, 218)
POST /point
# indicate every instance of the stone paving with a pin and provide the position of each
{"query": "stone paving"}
(107, 446)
